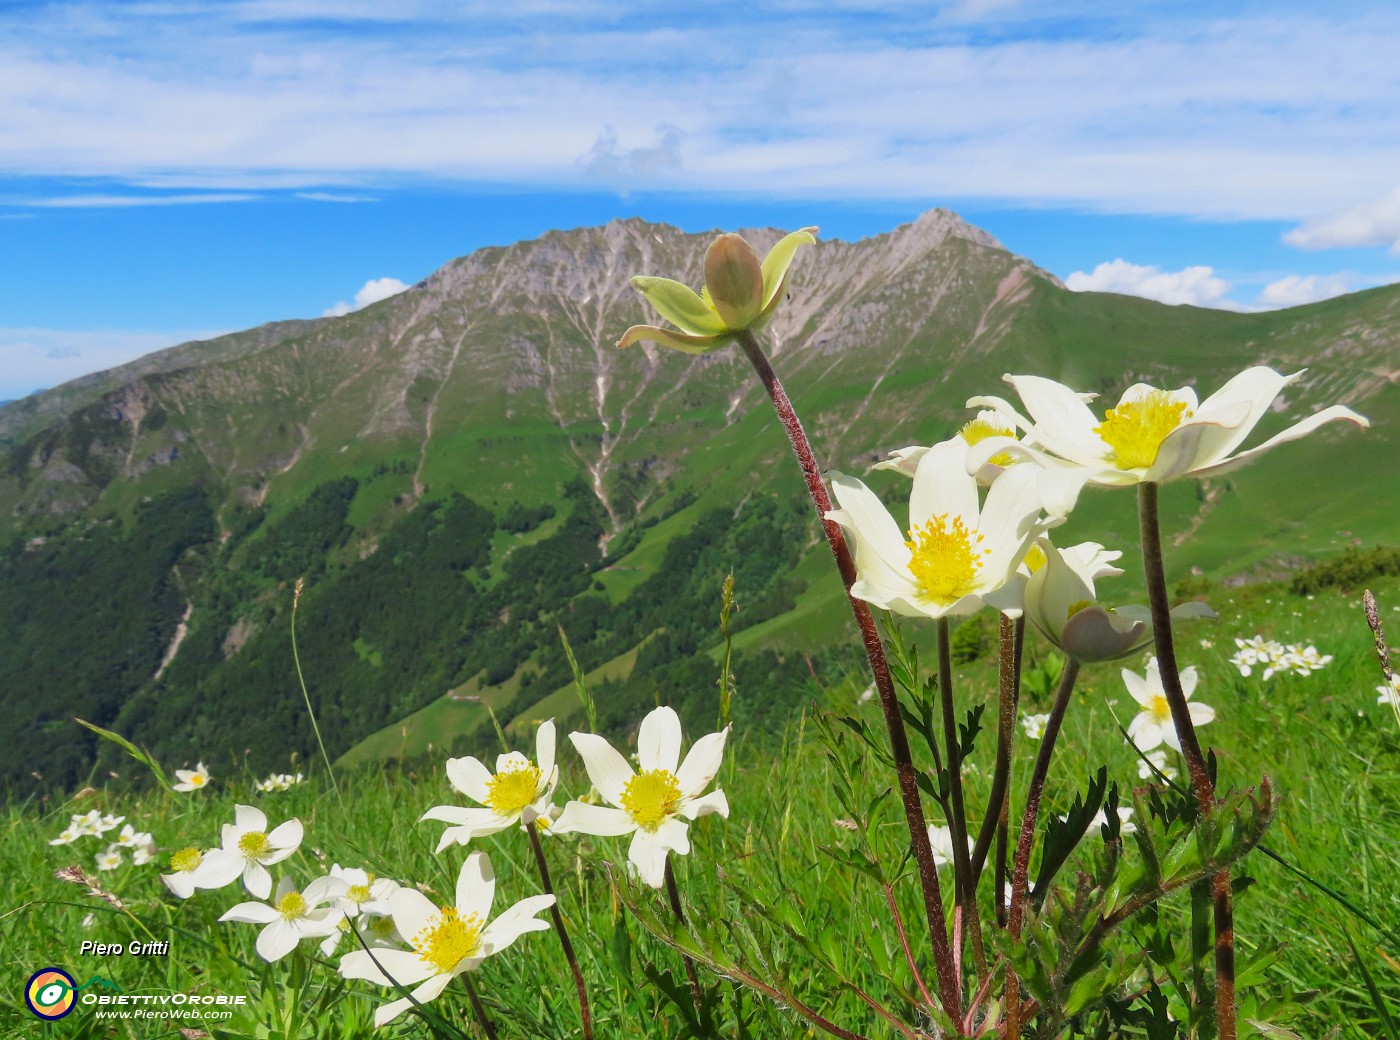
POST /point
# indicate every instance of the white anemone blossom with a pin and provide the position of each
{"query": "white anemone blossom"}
(1153, 725)
(248, 848)
(519, 791)
(958, 555)
(292, 916)
(446, 941)
(653, 804)
(192, 779)
(1061, 602)
(1151, 435)
(940, 839)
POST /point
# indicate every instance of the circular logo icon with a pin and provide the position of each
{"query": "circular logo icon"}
(49, 993)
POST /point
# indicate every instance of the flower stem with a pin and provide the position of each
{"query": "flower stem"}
(569, 955)
(1020, 874)
(962, 861)
(296, 659)
(1222, 897)
(904, 943)
(479, 1009)
(948, 985)
(674, 893)
(998, 802)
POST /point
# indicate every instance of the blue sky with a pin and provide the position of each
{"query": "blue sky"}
(171, 169)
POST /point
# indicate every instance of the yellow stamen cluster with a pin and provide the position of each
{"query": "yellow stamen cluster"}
(449, 940)
(1159, 709)
(254, 845)
(509, 792)
(980, 429)
(357, 894)
(291, 906)
(186, 859)
(945, 559)
(197, 780)
(651, 797)
(1135, 430)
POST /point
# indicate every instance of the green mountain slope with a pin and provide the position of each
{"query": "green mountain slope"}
(460, 469)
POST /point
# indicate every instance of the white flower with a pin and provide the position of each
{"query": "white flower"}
(1206, 644)
(446, 940)
(1158, 758)
(130, 837)
(1384, 695)
(192, 779)
(653, 804)
(1153, 725)
(86, 823)
(1034, 725)
(278, 782)
(183, 865)
(108, 822)
(144, 850)
(363, 891)
(111, 859)
(292, 916)
(248, 849)
(958, 555)
(519, 791)
(941, 838)
(1125, 826)
(69, 835)
(1150, 435)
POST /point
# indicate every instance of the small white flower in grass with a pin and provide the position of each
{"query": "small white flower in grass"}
(958, 555)
(86, 823)
(248, 849)
(130, 837)
(653, 804)
(941, 838)
(192, 779)
(1034, 725)
(446, 940)
(1150, 435)
(519, 791)
(66, 836)
(1125, 824)
(111, 859)
(292, 916)
(364, 893)
(108, 822)
(1158, 759)
(1153, 725)
(1206, 644)
(278, 782)
(143, 852)
(183, 864)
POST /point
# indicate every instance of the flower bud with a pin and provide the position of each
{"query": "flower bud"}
(734, 278)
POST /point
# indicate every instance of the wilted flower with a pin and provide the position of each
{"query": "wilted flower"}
(653, 804)
(519, 791)
(1153, 725)
(248, 848)
(1150, 435)
(192, 779)
(739, 294)
(446, 941)
(958, 556)
(292, 916)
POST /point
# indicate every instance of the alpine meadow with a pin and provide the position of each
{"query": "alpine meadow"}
(883, 641)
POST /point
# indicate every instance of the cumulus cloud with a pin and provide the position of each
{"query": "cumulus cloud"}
(1197, 285)
(1375, 223)
(372, 291)
(1296, 290)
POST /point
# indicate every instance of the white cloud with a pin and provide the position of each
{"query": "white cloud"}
(372, 291)
(1197, 285)
(1296, 290)
(1375, 223)
(35, 359)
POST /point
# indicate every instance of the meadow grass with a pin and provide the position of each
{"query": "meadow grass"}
(1332, 752)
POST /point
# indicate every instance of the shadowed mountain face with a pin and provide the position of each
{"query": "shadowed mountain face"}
(490, 399)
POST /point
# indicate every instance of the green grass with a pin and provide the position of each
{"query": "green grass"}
(1331, 752)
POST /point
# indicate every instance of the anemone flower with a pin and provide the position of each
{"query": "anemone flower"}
(653, 804)
(446, 941)
(958, 556)
(195, 779)
(248, 849)
(292, 916)
(518, 792)
(1151, 435)
(739, 294)
(1153, 725)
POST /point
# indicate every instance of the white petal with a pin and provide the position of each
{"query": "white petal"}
(943, 486)
(544, 748)
(251, 913)
(469, 777)
(390, 1011)
(514, 922)
(249, 818)
(606, 767)
(277, 940)
(1201, 713)
(256, 879)
(402, 966)
(1335, 413)
(412, 911)
(286, 837)
(432, 987)
(673, 834)
(1189, 677)
(702, 763)
(476, 887)
(1063, 422)
(218, 868)
(1145, 733)
(598, 820)
(1138, 688)
(181, 883)
(324, 888)
(881, 555)
(471, 823)
(511, 762)
(649, 859)
(714, 802)
(1237, 407)
(659, 740)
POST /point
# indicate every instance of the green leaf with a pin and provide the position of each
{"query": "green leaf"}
(140, 754)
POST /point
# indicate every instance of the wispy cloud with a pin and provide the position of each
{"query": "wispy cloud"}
(1280, 115)
(1295, 290)
(1375, 223)
(107, 201)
